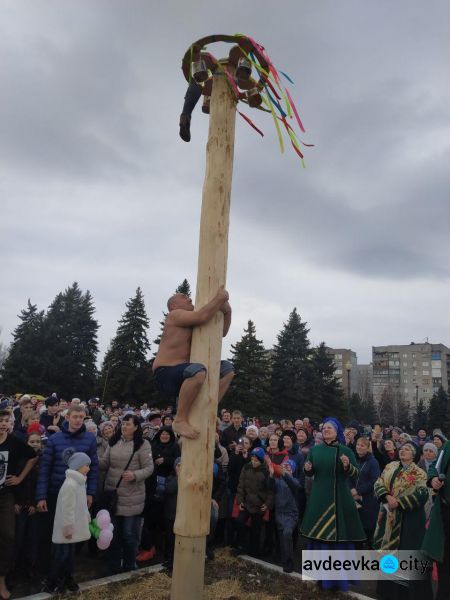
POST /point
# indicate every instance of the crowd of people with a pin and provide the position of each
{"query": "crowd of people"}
(276, 485)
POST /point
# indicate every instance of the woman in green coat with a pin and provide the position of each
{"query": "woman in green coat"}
(331, 520)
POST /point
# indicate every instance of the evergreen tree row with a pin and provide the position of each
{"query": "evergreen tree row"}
(291, 380)
(57, 351)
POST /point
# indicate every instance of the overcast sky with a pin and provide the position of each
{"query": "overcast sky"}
(97, 187)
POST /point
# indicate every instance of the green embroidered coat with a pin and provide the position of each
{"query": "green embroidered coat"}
(404, 527)
(331, 514)
(433, 541)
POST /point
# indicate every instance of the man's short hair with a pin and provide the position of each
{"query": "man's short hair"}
(237, 413)
(75, 408)
(4, 412)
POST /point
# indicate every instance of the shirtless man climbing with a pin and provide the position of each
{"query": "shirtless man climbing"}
(174, 374)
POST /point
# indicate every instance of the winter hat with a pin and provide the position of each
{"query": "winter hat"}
(291, 434)
(438, 433)
(430, 446)
(354, 425)
(104, 424)
(91, 425)
(75, 460)
(252, 428)
(398, 430)
(411, 445)
(292, 464)
(337, 426)
(406, 437)
(36, 428)
(259, 453)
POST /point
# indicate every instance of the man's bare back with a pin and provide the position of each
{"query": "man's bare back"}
(173, 372)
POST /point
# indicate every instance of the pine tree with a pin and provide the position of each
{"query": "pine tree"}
(250, 388)
(23, 367)
(291, 382)
(125, 374)
(183, 288)
(439, 412)
(420, 416)
(327, 397)
(71, 348)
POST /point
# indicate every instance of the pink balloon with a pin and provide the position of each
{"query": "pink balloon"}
(103, 519)
(102, 545)
(104, 539)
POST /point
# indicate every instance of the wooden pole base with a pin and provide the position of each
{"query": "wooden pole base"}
(188, 568)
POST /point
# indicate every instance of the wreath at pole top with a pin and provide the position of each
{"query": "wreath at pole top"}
(266, 93)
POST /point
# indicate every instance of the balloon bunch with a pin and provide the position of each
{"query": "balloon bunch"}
(102, 529)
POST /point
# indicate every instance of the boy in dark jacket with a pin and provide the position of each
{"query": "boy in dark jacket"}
(254, 498)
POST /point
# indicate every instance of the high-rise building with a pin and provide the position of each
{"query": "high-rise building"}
(415, 371)
(345, 362)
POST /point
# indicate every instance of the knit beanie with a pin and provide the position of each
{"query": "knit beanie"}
(75, 460)
(430, 446)
(410, 445)
(259, 453)
(252, 428)
(293, 465)
(36, 428)
(438, 433)
(104, 424)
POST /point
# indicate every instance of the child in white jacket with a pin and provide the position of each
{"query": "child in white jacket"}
(71, 523)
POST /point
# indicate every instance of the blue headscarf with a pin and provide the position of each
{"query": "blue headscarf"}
(338, 427)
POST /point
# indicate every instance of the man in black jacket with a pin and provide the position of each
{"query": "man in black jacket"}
(231, 435)
(51, 419)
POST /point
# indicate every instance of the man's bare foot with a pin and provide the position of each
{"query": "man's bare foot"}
(184, 429)
(5, 594)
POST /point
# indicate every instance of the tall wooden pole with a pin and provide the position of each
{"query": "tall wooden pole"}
(195, 480)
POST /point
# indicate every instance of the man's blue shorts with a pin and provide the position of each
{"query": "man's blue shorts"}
(168, 380)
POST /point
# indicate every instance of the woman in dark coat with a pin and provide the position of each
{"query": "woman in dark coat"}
(304, 441)
(362, 487)
(165, 451)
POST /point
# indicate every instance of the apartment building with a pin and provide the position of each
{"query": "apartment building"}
(416, 371)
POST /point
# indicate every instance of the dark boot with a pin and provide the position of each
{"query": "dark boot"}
(185, 127)
(71, 584)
